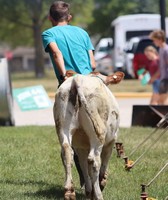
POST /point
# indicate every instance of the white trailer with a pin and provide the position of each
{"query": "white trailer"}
(128, 26)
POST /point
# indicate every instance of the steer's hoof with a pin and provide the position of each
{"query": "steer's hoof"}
(88, 195)
(103, 184)
(103, 181)
(70, 195)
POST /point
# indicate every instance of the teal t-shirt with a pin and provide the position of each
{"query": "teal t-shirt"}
(74, 43)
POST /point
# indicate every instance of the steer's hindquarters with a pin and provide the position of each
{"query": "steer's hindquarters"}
(86, 116)
(65, 116)
(99, 118)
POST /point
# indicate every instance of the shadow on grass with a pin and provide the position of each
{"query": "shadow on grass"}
(54, 192)
(49, 191)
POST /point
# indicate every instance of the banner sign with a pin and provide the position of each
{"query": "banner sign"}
(32, 98)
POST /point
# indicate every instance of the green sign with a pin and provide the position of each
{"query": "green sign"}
(32, 98)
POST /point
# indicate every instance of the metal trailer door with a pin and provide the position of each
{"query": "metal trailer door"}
(6, 98)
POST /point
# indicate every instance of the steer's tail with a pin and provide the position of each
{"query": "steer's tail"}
(92, 111)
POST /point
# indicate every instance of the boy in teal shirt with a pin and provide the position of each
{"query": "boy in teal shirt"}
(70, 47)
(74, 44)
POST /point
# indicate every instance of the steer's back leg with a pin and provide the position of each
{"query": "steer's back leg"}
(94, 163)
(105, 157)
(83, 159)
(65, 139)
(67, 159)
(96, 136)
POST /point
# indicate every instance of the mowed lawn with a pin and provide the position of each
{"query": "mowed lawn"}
(26, 79)
(31, 168)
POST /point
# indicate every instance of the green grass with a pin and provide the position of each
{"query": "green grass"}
(26, 79)
(31, 168)
(50, 83)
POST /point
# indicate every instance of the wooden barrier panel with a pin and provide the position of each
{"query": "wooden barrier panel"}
(147, 115)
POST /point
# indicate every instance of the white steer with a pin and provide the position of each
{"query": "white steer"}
(87, 121)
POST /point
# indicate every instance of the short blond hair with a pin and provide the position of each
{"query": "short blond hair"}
(151, 49)
(158, 34)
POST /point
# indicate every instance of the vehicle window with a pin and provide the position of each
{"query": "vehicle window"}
(105, 49)
(130, 34)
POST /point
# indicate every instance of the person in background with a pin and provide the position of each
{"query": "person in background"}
(70, 47)
(139, 62)
(152, 67)
(159, 39)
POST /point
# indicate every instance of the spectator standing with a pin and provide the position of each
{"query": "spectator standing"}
(159, 39)
(152, 67)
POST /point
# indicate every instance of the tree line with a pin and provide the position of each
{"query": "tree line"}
(23, 21)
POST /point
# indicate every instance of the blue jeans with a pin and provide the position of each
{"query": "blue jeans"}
(155, 86)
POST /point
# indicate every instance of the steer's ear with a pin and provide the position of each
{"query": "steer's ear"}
(119, 74)
(115, 78)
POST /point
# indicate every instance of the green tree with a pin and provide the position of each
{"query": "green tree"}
(107, 10)
(81, 11)
(22, 22)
